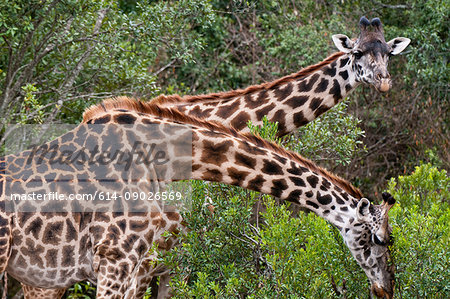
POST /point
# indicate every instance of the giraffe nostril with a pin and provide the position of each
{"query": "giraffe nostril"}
(379, 77)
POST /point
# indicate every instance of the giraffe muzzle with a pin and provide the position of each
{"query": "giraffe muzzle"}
(383, 83)
(380, 292)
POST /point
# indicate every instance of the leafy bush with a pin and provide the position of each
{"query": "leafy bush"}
(227, 255)
(422, 233)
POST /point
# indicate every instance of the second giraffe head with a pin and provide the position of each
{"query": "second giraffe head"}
(369, 53)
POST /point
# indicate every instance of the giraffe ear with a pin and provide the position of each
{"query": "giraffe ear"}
(398, 44)
(343, 43)
(362, 209)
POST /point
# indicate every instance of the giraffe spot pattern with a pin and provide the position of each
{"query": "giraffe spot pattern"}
(102, 120)
(129, 242)
(325, 199)
(123, 271)
(215, 153)
(244, 160)
(68, 256)
(96, 231)
(322, 86)
(251, 149)
(300, 119)
(34, 253)
(261, 99)
(113, 234)
(101, 217)
(321, 110)
(336, 91)
(240, 121)
(256, 183)
(344, 74)
(67, 137)
(213, 175)
(125, 119)
(298, 181)
(34, 227)
(330, 70)
(312, 180)
(315, 103)
(307, 83)
(344, 62)
(338, 198)
(174, 228)
(264, 111)
(280, 159)
(294, 196)
(278, 187)
(296, 101)
(282, 92)
(52, 233)
(279, 117)
(296, 170)
(312, 204)
(138, 226)
(236, 175)
(367, 253)
(198, 112)
(326, 184)
(42, 168)
(227, 110)
(339, 219)
(271, 168)
(173, 216)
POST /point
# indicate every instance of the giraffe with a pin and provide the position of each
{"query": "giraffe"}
(365, 53)
(301, 97)
(56, 249)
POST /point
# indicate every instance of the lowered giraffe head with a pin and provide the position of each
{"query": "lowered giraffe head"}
(369, 54)
(368, 237)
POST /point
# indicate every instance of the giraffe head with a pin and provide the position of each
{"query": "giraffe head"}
(369, 54)
(368, 237)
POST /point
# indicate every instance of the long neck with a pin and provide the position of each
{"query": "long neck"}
(154, 148)
(290, 101)
(238, 162)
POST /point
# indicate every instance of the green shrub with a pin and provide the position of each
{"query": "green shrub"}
(422, 233)
(227, 254)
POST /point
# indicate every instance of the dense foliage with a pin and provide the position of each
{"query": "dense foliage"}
(59, 57)
(230, 254)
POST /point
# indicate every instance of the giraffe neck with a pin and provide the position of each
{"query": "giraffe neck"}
(239, 162)
(292, 101)
(224, 155)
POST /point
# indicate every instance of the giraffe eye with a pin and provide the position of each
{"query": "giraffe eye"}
(377, 241)
(358, 54)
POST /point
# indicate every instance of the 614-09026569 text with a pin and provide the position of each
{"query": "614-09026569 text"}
(102, 196)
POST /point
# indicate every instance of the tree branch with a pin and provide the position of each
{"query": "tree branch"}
(90, 47)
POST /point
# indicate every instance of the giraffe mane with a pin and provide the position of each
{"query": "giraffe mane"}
(175, 115)
(170, 99)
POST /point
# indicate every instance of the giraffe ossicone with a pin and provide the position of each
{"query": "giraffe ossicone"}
(55, 250)
(299, 98)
